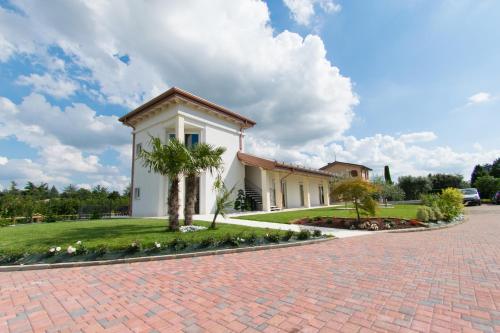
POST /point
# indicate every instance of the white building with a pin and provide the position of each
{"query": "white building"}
(191, 119)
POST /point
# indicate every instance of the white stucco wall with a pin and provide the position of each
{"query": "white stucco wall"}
(212, 130)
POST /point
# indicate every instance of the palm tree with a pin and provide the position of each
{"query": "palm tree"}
(203, 157)
(168, 160)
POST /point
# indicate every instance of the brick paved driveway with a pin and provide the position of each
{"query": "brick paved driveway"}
(439, 281)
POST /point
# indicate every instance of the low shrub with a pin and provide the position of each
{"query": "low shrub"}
(303, 235)
(437, 213)
(208, 242)
(135, 246)
(273, 237)
(178, 244)
(5, 222)
(317, 233)
(329, 220)
(451, 203)
(423, 214)
(230, 240)
(252, 238)
(288, 235)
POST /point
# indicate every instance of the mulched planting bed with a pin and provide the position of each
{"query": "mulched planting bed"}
(372, 224)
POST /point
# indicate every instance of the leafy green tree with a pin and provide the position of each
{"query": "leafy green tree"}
(69, 191)
(168, 160)
(359, 192)
(478, 171)
(53, 193)
(387, 175)
(487, 186)
(495, 168)
(202, 157)
(441, 181)
(414, 187)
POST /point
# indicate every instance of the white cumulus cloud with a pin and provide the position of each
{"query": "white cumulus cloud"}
(303, 10)
(59, 87)
(280, 80)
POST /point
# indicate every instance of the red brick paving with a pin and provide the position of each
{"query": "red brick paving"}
(439, 281)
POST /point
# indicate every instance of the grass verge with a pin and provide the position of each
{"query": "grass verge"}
(397, 211)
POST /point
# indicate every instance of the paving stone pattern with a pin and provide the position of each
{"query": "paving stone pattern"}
(436, 281)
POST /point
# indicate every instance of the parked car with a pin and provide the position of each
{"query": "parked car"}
(496, 198)
(471, 196)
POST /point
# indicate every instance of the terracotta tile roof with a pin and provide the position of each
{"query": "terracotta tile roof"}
(267, 164)
(177, 92)
(344, 163)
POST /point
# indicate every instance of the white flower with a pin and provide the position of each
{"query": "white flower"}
(71, 249)
(58, 249)
(158, 245)
(52, 250)
(79, 243)
(190, 228)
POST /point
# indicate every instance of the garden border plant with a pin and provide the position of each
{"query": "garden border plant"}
(79, 252)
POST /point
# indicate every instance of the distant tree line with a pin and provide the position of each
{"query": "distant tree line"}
(22, 204)
(486, 178)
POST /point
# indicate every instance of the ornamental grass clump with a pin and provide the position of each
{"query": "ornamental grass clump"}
(303, 235)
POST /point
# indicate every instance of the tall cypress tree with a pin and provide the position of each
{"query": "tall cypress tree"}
(387, 175)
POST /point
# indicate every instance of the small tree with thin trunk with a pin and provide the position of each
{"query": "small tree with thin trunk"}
(168, 160)
(223, 200)
(359, 192)
(202, 157)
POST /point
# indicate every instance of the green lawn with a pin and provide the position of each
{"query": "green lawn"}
(401, 211)
(113, 234)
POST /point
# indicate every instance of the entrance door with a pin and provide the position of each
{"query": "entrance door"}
(283, 194)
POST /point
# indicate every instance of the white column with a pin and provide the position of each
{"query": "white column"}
(279, 195)
(307, 193)
(179, 135)
(266, 197)
(326, 191)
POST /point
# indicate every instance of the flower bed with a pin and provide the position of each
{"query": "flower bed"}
(372, 224)
(78, 251)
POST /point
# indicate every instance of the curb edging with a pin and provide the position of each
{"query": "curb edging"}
(446, 226)
(13, 268)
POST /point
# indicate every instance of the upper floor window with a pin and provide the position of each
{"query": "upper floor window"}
(191, 139)
(138, 148)
(354, 173)
(137, 193)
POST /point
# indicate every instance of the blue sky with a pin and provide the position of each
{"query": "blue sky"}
(413, 84)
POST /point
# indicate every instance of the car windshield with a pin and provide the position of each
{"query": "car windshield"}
(469, 191)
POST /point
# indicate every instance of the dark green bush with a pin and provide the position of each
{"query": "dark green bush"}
(273, 237)
(303, 235)
(208, 242)
(317, 233)
(288, 235)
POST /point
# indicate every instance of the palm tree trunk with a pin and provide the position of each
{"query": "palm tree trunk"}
(190, 199)
(173, 205)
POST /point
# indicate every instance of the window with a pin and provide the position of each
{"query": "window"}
(321, 195)
(138, 148)
(191, 139)
(137, 193)
(354, 173)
